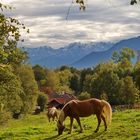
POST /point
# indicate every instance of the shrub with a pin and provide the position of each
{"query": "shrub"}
(42, 101)
(84, 95)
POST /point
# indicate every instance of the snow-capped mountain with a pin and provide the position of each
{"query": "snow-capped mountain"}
(52, 58)
(95, 58)
(79, 55)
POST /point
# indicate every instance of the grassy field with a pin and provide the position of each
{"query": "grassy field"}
(125, 126)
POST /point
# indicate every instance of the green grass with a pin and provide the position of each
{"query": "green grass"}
(125, 125)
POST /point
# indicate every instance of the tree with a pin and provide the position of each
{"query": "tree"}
(124, 68)
(9, 36)
(64, 80)
(11, 91)
(84, 95)
(137, 74)
(128, 92)
(104, 82)
(52, 80)
(123, 54)
(75, 82)
(39, 72)
(83, 6)
(83, 75)
(87, 83)
(40, 75)
(30, 88)
(42, 101)
(122, 59)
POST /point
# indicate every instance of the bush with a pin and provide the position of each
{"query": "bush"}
(42, 101)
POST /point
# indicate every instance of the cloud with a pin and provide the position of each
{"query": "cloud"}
(103, 20)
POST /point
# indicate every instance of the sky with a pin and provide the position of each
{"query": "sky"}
(50, 24)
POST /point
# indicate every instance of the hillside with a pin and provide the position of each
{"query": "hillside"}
(78, 55)
(94, 58)
(52, 58)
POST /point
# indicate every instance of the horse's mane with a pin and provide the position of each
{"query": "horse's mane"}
(61, 116)
(62, 112)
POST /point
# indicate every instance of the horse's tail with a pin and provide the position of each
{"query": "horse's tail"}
(107, 111)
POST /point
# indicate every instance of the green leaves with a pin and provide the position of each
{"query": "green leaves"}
(30, 87)
(9, 37)
(11, 90)
(124, 54)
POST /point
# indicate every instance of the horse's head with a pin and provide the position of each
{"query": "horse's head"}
(60, 127)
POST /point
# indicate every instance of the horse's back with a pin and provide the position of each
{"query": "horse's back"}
(81, 108)
(86, 103)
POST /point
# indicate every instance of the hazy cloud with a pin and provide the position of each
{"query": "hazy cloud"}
(103, 20)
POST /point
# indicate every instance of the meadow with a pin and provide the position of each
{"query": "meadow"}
(125, 126)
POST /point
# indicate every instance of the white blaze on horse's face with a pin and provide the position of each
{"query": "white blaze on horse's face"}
(60, 123)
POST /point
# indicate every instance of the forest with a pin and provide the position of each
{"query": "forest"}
(116, 81)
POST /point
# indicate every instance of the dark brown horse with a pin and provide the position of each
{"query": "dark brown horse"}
(75, 109)
(52, 113)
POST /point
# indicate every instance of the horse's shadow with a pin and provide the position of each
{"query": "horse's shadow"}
(92, 136)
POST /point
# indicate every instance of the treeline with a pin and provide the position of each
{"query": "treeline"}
(117, 81)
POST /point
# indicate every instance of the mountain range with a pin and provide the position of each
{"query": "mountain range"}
(79, 55)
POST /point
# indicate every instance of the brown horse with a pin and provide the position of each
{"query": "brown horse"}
(52, 113)
(76, 109)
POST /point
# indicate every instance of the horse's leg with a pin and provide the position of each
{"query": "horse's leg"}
(53, 118)
(99, 122)
(49, 118)
(78, 120)
(56, 117)
(103, 118)
(71, 122)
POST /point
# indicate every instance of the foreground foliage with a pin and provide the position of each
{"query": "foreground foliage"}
(125, 125)
(18, 88)
(9, 37)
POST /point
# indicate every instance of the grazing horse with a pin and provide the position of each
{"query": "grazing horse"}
(75, 109)
(52, 113)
